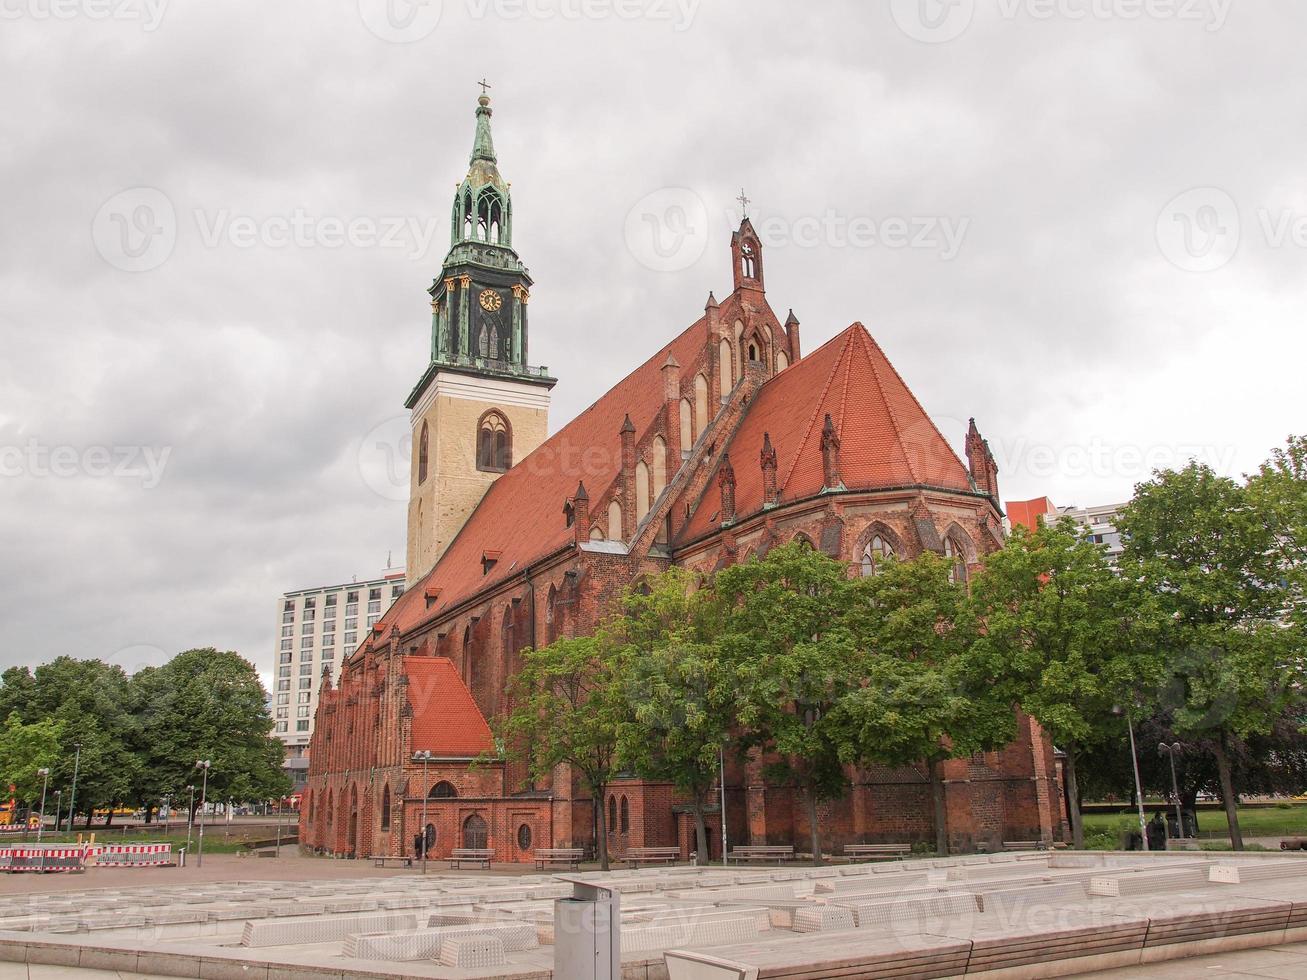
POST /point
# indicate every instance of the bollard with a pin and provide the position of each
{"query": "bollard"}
(587, 933)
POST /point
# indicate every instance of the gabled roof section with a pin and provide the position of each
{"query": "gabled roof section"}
(446, 721)
(521, 514)
(886, 438)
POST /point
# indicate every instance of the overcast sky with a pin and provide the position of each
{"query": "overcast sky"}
(1082, 222)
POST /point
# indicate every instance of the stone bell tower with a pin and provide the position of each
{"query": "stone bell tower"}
(479, 406)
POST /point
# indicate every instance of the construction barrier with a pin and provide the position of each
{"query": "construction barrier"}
(133, 855)
(43, 858)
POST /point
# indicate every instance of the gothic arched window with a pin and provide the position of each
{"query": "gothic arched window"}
(612, 813)
(874, 556)
(422, 454)
(443, 790)
(625, 816)
(957, 557)
(385, 808)
(494, 443)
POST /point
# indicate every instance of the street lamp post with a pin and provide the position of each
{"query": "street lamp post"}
(1134, 762)
(58, 807)
(45, 781)
(1170, 752)
(72, 796)
(424, 758)
(280, 801)
(190, 816)
(203, 765)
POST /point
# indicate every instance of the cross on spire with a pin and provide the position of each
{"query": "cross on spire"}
(744, 202)
(485, 86)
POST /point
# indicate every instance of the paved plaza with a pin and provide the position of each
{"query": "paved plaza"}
(1012, 916)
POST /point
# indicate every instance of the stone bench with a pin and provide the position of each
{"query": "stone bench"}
(470, 855)
(473, 952)
(636, 856)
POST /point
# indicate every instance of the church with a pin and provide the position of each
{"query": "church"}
(728, 441)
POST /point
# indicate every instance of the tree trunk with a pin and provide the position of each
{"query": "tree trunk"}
(599, 792)
(1227, 792)
(1073, 795)
(941, 812)
(90, 817)
(810, 797)
(700, 830)
(109, 820)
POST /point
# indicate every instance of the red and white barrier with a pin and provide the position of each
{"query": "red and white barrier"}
(43, 858)
(134, 855)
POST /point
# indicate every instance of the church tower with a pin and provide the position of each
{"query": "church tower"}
(479, 407)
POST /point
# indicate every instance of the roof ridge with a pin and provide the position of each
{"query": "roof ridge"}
(898, 431)
(821, 400)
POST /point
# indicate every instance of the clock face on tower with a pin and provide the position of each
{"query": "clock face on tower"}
(490, 300)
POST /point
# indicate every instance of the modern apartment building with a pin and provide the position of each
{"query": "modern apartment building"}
(1099, 522)
(315, 629)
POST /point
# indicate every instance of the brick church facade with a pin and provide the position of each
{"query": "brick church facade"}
(727, 442)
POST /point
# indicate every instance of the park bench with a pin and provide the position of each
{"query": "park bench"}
(470, 855)
(636, 856)
(876, 852)
(763, 852)
(402, 860)
(1023, 845)
(570, 856)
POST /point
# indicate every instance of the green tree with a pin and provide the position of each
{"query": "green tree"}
(784, 641)
(1208, 555)
(206, 704)
(567, 710)
(1278, 492)
(89, 699)
(1067, 635)
(25, 749)
(921, 697)
(678, 701)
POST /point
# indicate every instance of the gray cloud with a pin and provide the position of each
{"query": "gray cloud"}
(260, 366)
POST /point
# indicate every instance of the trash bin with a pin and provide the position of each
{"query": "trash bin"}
(587, 933)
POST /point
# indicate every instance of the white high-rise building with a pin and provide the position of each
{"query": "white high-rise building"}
(1099, 522)
(315, 629)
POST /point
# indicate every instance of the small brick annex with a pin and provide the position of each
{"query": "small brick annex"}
(724, 444)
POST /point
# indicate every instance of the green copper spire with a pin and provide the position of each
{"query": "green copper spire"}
(484, 147)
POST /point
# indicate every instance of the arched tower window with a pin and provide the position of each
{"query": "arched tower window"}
(422, 454)
(614, 521)
(748, 260)
(687, 424)
(875, 555)
(494, 443)
(443, 790)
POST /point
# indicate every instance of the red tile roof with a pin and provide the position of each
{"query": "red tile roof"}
(886, 437)
(521, 515)
(446, 721)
